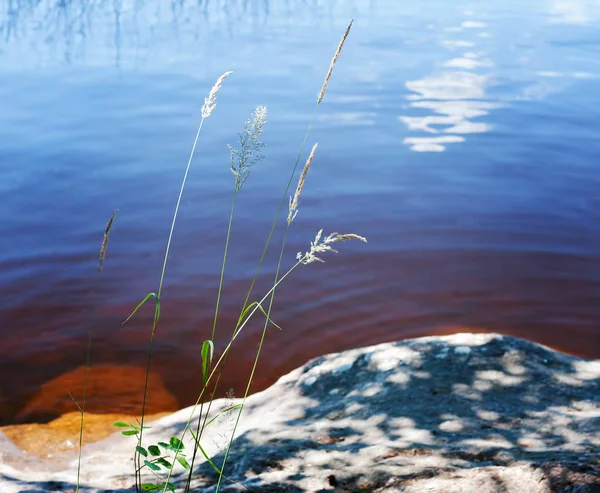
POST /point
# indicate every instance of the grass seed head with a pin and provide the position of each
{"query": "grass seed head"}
(319, 245)
(249, 153)
(333, 62)
(211, 101)
(294, 201)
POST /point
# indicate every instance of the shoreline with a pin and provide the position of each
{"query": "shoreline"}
(420, 413)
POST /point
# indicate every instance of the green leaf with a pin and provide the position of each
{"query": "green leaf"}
(175, 444)
(151, 487)
(148, 296)
(183, 462)
(142, 451)
(164, 462)
(154, 450)
(121, 424)
(244, 312)
(208, 350)
(152, 466)
(164, 445)
(267, 316)
(170, 486)
(249, 307)
(130, 433)
(136, 427)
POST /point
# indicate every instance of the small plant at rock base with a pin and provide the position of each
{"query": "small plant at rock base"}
(156, 457)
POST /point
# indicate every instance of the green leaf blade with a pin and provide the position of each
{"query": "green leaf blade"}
(170, 486)
(175, 444)
(151, 487)
(183, 462)
(154, 450)
(151, 465)
(207, 353)
(212, 464)
(164, 462)
(146, 298)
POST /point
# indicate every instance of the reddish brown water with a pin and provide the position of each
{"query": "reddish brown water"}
(497, 230)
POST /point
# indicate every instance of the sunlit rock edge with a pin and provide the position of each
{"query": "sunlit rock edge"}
(466, 412)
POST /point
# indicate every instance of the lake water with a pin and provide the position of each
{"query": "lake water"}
(462, 140)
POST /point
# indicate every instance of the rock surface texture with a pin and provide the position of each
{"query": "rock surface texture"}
(465, 413)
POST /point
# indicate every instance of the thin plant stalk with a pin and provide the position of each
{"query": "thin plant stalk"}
(319, 245)
(158, 296)
(290, 218)
(260, 262)
(291, 179)
(255, 364)
(281, 206)
(277, 280)
(199, 429)
(285, 193)
(242, 162)
(266, 247)
(214, 329)
(209, 105)
(293, 210)
(88, 353)
(256, 273)
(228, 348)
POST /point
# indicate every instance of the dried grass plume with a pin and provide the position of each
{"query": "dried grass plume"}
(294, 202)
(249, 153)
(333, 61)
(211, 101)
(324, 245)
(105, 240)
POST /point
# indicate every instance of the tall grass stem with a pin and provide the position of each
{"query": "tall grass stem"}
(291, 215)
(88, 353)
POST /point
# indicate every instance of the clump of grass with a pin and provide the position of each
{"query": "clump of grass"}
(242, 160)
(292, 212)
(210, 103)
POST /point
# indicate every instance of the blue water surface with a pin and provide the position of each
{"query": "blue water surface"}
(461, 138)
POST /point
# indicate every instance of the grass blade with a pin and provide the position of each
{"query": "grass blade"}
(208, 351)
(217, 470)
(148, 296)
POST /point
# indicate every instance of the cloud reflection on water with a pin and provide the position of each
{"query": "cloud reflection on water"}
(455, 97)
(575, 11)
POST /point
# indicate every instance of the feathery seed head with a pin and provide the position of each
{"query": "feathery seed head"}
(248, 155)
(211, 101)
(324, 245)
(333, 61)
(294, 202)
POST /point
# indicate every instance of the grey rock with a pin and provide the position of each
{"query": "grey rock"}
(462, 413)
